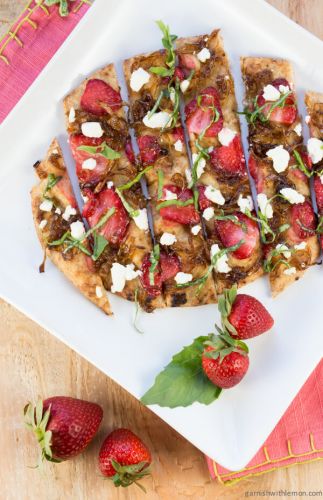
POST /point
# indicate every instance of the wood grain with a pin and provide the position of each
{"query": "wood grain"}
(33, 364)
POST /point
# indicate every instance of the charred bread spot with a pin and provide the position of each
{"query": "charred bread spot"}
(178, 299)
(36, 165)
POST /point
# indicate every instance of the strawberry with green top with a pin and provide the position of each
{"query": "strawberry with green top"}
(124, 458)
(63, 426)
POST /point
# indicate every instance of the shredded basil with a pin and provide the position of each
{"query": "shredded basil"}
(178, 203)
(133, 212)
(103, 150)
(154, 260)
(135, 180)
(257, 113)
(52, 180)
(160, 174)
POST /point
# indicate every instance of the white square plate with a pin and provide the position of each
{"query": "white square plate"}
(233, 428)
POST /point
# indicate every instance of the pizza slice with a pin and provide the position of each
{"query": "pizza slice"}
(219, 174)
(280, 166)
(314, 104)
(109, 179)
(153, 89)
(60, 228)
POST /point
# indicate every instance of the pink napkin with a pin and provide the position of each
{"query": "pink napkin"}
(28, 46)
(24, 52)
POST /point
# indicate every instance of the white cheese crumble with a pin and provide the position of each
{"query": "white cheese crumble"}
(157, 120)
(208, 213)
(188, 175)
(221, 265)
(245, 203)
(84, 198)
(138, 79)
(284, 89)
(307, 119)
(315, 149)
(226, 136)
(89, 164)
(98, 292)
(169, 195)
(42, 224)
(92, 129)
(280, 158)
(184, 85)
(264, 206)
(172, 94)
(55, 151)
(214, 195)
(210, 149)
(292, 195)
(270, 93)
(46, 206)
(196, 229)
(178, 145)
(77, 229)
(168, 239)
(120, 274)
(204, 55)
(71, 115)
(141, 220)
(68, 212)
(182, 278)
(200, 165)
(284, 250)
(58, 211)
(110, 184)
(300, 246)
(298, 129)
(290, 270)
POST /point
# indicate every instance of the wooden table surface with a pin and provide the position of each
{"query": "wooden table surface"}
(34, 363)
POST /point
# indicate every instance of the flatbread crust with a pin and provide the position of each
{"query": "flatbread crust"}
(191, 249)
(75, 268)
(215, 72)
(257, 72)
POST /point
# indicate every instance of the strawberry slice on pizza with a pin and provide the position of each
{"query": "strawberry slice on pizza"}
(154, 92)
(219, 176)
(109, 179)
(281, 167)
(314, 104)
(60, 228)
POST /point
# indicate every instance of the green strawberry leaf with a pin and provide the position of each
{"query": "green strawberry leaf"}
(183, 382)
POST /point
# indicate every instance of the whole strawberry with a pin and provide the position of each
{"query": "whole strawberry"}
(124, 458)
(243, 316)
(225, 361)
(63, 426)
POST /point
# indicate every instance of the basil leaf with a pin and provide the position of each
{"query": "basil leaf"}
(167, 42)
(160, 71)
(103, 150)
(154, 259)
(100, 244)
(131, 211)
(52, 180)
(160, 184)
(183, 382)
(178, 203)
(136, 179)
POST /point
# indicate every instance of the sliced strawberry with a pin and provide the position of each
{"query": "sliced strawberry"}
(168, 266)
(98, 205)
(178, 134)
(303, 222)
(189, 61)
(204, 202)
(179, 73)
(65, 187)
(88, 176)
(200, 115)
(286, 114)
(318, 188)
(129, 152)
(175, 213)
(230, 234)
(256, 173)
(99, 97)
(229, 160)
(149, 149)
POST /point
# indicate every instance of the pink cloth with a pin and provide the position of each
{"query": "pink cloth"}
(298, 437)
(41, 36)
